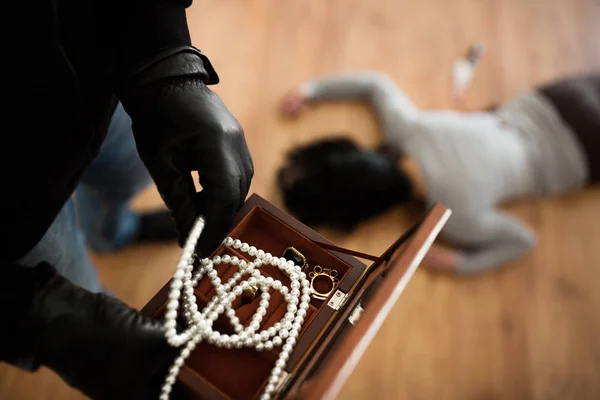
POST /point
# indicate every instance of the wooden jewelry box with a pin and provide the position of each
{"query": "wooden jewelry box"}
(336, 331)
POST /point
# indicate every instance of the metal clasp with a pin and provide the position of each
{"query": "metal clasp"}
(356, 313)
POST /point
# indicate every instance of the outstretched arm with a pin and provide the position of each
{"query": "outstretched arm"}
(493, 239)
(394, 109)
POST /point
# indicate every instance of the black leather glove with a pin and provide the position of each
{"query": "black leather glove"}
(94, 342)
(181, 126)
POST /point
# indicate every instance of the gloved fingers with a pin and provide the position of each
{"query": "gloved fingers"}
(177, 190)
(221, 197)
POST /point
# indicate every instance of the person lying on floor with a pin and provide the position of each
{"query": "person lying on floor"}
(543, 142)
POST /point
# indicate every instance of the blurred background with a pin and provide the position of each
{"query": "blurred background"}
(528, 331)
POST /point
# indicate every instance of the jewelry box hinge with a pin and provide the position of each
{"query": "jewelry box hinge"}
(356, 313)
(338, 300)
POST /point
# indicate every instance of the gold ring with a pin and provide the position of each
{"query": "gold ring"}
(321, 295)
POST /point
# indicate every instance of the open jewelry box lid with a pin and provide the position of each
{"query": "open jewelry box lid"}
(324, 376)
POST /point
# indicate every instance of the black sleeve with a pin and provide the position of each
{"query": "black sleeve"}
(130, 32)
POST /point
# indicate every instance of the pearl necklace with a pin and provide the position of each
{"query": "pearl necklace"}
(200, 323)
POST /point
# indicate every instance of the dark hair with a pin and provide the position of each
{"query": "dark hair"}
(334, 182)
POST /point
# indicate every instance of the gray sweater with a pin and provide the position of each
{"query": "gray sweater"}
(472, 162)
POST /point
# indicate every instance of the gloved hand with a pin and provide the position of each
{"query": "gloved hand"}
(94, 342)
(181, 126)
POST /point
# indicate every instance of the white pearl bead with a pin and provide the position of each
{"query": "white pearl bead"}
(291, 341)
(272, 331)
(235, 260)
(295, 293)
(264, 336)
(243, 264)
(306, 291)
(277, 325)
(171, 332)
(245, 247)
(284, 355)
(234, 338)
(171, 314)
(284, 290)
(255, 326)
(277, 285)
(170, 324)
(249, 342)
(287, 347)
(237, 290)
(277, 341)
(217, 260)
(269, 280)
(289, 264)
(270, 388)
(174, 294)
(237, 243)
(280, 364)
(301, 313)
(260, 254)
(284, 333)
(268, 345)
(277, 371)
(260, 347)
(228, 241)
(252, 251)
(172, 304)
(176, 283)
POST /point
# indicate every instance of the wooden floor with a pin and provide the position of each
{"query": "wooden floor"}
(530, 331)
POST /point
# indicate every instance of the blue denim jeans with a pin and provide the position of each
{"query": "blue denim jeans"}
(98, 213)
